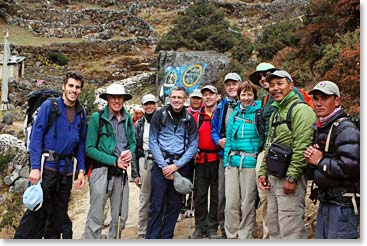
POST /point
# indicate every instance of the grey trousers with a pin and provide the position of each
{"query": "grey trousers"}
(146, 184)
(221, 194)
(98, 199)
(241, 194)
(286, 212)
(263, 201)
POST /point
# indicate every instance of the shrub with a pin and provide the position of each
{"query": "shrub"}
(58, 58)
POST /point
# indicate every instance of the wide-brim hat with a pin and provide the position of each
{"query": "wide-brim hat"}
(182, 185)
(263, 67)
(116, 90)
(33, 197)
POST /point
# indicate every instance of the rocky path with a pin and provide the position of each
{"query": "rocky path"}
(79, 205)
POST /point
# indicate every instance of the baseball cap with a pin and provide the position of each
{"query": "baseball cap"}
(33, 197)
(326, 87)
(148, 98)
(263, 67)
(210, 88)
(182, 185)
(116, 90)
(278, 74)
(232, 76)
(196, 93)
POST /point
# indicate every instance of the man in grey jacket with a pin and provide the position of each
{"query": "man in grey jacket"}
(173, 141)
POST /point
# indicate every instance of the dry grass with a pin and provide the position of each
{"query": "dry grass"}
(21, 36)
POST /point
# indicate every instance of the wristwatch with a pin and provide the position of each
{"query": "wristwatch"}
(291, 179)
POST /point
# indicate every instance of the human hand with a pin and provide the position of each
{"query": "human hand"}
(289, 187)
(137, 181)
(222, 142)
(170, 169)
(80, 181)
(313, 155)
(126, 155)
(263, 183)
(34, 176)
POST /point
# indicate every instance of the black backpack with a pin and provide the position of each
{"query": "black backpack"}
(34, 102)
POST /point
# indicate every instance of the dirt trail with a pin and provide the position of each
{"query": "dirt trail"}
(79, 205)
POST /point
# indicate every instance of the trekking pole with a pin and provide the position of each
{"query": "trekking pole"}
(123, 182)
(192, 201)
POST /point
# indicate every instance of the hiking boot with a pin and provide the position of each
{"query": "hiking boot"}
(223, 234)
(180, 217)
(198, 235)
(141, 236)
(214, 235)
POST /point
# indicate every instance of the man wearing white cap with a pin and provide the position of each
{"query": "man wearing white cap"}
(219, 125)
(282, 170)
(141, 167)
(111, 149)
(335, 159)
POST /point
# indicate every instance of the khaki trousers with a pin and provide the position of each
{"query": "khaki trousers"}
(263, 202)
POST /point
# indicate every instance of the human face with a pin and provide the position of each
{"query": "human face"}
(195, 102)
(177, 99)
(149, 107)
(71, 90)
(209, 98)
(279, 88)
(262, 81)
(247, 97)
(231, 87)
(325, 104)
(115, 103)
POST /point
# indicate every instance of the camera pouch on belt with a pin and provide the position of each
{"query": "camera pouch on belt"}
(278, 159)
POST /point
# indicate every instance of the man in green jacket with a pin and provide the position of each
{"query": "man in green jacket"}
(111, 148)
(284, 180)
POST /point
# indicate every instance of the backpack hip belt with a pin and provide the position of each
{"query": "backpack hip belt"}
(167, 155)
(242, 154)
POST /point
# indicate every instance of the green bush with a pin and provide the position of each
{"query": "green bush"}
(275, 38)
(201, 27)
(58, 58)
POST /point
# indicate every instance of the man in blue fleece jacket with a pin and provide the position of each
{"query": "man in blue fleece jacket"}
(63, 142)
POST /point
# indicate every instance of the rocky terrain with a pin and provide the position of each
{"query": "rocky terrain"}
(109, 41)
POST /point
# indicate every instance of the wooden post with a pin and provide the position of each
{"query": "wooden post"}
(4, 85)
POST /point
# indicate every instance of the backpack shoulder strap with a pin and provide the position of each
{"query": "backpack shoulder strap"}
(101, 123)
(264, 101)
(335, 124)
(201, 117)
(289, 113)
(53, 114)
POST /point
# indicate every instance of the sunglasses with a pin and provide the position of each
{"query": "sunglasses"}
(262, 74)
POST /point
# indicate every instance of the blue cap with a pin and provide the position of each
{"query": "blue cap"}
(33, 197)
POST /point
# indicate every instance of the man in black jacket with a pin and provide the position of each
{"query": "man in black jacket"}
(335, 158)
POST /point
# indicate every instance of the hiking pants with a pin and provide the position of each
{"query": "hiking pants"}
(263, 201)
(286, 212)
(241, 194)
(336, 222)
(56, 196)
(221, 194)
(98, 198)
(145, 175)
(165, 204)
(206, 176)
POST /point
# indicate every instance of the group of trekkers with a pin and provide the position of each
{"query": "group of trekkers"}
(241, 152)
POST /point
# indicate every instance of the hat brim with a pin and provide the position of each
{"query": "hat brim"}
(254, 76)
(311, 92)
(125, 96)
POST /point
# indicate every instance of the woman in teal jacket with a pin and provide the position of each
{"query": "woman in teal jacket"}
(239, 161)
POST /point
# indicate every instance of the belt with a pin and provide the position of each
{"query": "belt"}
(354, 202)
(167, 155)
(243, 154)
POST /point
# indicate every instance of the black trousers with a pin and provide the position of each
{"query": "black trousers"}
(56, 193)
(206, 176)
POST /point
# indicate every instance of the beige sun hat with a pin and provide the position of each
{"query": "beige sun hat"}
(116, 90)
